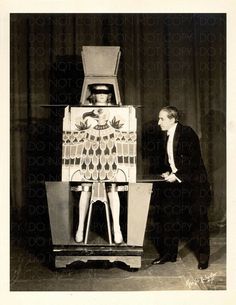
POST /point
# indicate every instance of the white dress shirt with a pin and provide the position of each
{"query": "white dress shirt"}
(170, 152)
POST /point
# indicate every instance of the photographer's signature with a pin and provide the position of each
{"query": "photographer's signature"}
(203, 279)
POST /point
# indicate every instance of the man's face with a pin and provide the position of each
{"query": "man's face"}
(164, 122)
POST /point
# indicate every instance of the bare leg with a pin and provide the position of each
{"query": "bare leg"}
(115, 211)
(83, 209)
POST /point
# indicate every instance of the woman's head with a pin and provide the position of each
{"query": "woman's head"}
(100, 95)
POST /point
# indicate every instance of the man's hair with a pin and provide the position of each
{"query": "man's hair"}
(172, 112)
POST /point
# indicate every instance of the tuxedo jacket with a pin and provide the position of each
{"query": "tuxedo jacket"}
(189, 163)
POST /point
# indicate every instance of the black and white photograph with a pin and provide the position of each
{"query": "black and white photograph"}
(118, 151)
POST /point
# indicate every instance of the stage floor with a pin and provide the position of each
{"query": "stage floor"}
(31, 271)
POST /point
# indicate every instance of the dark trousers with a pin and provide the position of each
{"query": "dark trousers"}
(181, 210)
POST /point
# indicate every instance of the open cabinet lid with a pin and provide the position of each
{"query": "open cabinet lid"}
(100, 60)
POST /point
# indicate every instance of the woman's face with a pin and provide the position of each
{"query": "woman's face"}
(101, 99)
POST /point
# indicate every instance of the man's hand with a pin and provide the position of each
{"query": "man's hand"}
(165, 175)
(171, 178)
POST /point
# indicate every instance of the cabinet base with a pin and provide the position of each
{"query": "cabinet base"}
(66, 255)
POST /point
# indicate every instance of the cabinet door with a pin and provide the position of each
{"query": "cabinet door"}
(99, 143)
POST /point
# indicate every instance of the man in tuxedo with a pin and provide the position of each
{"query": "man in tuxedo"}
(185, 190)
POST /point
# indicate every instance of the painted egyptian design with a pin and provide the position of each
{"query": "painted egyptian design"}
(99, 144)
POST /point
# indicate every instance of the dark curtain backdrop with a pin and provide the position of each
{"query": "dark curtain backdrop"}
(177, 59)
